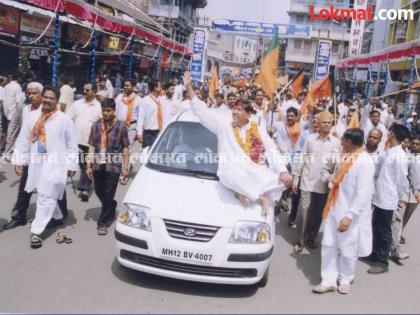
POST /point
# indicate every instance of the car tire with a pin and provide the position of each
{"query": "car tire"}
(264, 280)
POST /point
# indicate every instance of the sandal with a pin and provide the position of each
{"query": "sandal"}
(123, 180)
(101, 230)
(36, 241)
(63, 239)
(298, 248)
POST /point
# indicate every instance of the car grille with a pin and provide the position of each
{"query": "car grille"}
(188, 268)
(203, 233)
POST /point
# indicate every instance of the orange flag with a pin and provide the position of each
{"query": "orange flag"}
(296, 85)
(213, 82)
(267, 77)
(318, 89)
(354, 122)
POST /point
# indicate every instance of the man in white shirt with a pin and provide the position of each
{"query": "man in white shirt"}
(151, 115)
(390, 192)
(179, 90)
(374, 121)
(339, 129)
(109, 86)
(219, 100)
(12, 98)
(372, 144)
(84, 113)
(128, 105)
(347, 225)
(102, 91)
(18, 217)
(250, 177)
(295, 103)
(48, 143)
(169, 103)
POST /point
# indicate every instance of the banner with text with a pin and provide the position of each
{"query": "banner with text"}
(323, 58)
(198, 62)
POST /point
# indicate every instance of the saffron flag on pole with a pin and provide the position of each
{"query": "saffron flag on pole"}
(297, 83)
(319, 89)
(267, 77)
(213, 82)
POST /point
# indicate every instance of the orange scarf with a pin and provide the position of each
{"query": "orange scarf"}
(38, 130)
(105, 130)
(342, 171)
(294, 132)
(130, 102)
(159, 111)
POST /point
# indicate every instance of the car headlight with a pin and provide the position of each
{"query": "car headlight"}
(135, 216)
(250, 232)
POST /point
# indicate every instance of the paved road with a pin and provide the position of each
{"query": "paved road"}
(84, 277)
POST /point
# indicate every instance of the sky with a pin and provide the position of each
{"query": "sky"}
(269, 11)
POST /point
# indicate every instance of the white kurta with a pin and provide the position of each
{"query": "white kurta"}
(354, 201)
(236, 170)
(48, 175)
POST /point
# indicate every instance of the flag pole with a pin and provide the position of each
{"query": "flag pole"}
(291, 81)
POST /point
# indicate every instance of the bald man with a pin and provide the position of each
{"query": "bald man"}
(373, 139)
(307, 177)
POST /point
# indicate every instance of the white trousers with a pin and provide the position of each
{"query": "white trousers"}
(46, 208)
(336, 267)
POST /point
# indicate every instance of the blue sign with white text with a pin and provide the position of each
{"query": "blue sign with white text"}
(198, 54)
(262, 29)
(323, 57)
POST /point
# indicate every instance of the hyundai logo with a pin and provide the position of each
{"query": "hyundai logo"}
(190, 232)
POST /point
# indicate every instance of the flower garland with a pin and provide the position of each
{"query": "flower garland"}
(253, 146)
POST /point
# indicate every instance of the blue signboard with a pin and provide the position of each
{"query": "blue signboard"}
(198, 63)
(262, 29)
(323, 57)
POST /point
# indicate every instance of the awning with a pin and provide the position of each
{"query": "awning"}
(392, 53)
(86, 12)
(134, 12)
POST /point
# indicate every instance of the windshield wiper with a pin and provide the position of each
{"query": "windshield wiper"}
(196, 173)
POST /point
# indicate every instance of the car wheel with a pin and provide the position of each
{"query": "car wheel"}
(264, 280)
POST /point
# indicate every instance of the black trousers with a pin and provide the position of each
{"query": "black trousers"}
(149, 137)
(106, 184)
(295, 203)
(382, 236)
(85, 183)
(24, 198)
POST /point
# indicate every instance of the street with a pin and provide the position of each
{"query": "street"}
(84, 277)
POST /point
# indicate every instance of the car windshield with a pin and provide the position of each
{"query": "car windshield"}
(186, 148)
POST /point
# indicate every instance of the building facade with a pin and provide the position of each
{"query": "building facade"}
(178, 16)
(302, 52)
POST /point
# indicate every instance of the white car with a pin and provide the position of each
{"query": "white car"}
(178, 221)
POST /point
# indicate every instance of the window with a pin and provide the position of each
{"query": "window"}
(307, 46)
(298, 44)
(165, 2)
(335, 48)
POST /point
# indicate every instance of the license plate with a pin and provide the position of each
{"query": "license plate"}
(186, 255)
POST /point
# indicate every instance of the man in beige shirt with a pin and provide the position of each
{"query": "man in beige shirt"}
(307, 177)
(66, 95)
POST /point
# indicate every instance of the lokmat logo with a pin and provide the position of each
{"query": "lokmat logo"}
(360, 14)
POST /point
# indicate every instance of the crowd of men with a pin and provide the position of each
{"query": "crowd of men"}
(353, 165)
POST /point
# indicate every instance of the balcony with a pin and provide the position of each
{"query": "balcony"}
(332, 33)
(166, 11)
(302, 6)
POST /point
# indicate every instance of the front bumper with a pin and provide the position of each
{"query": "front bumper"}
(239, 264)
